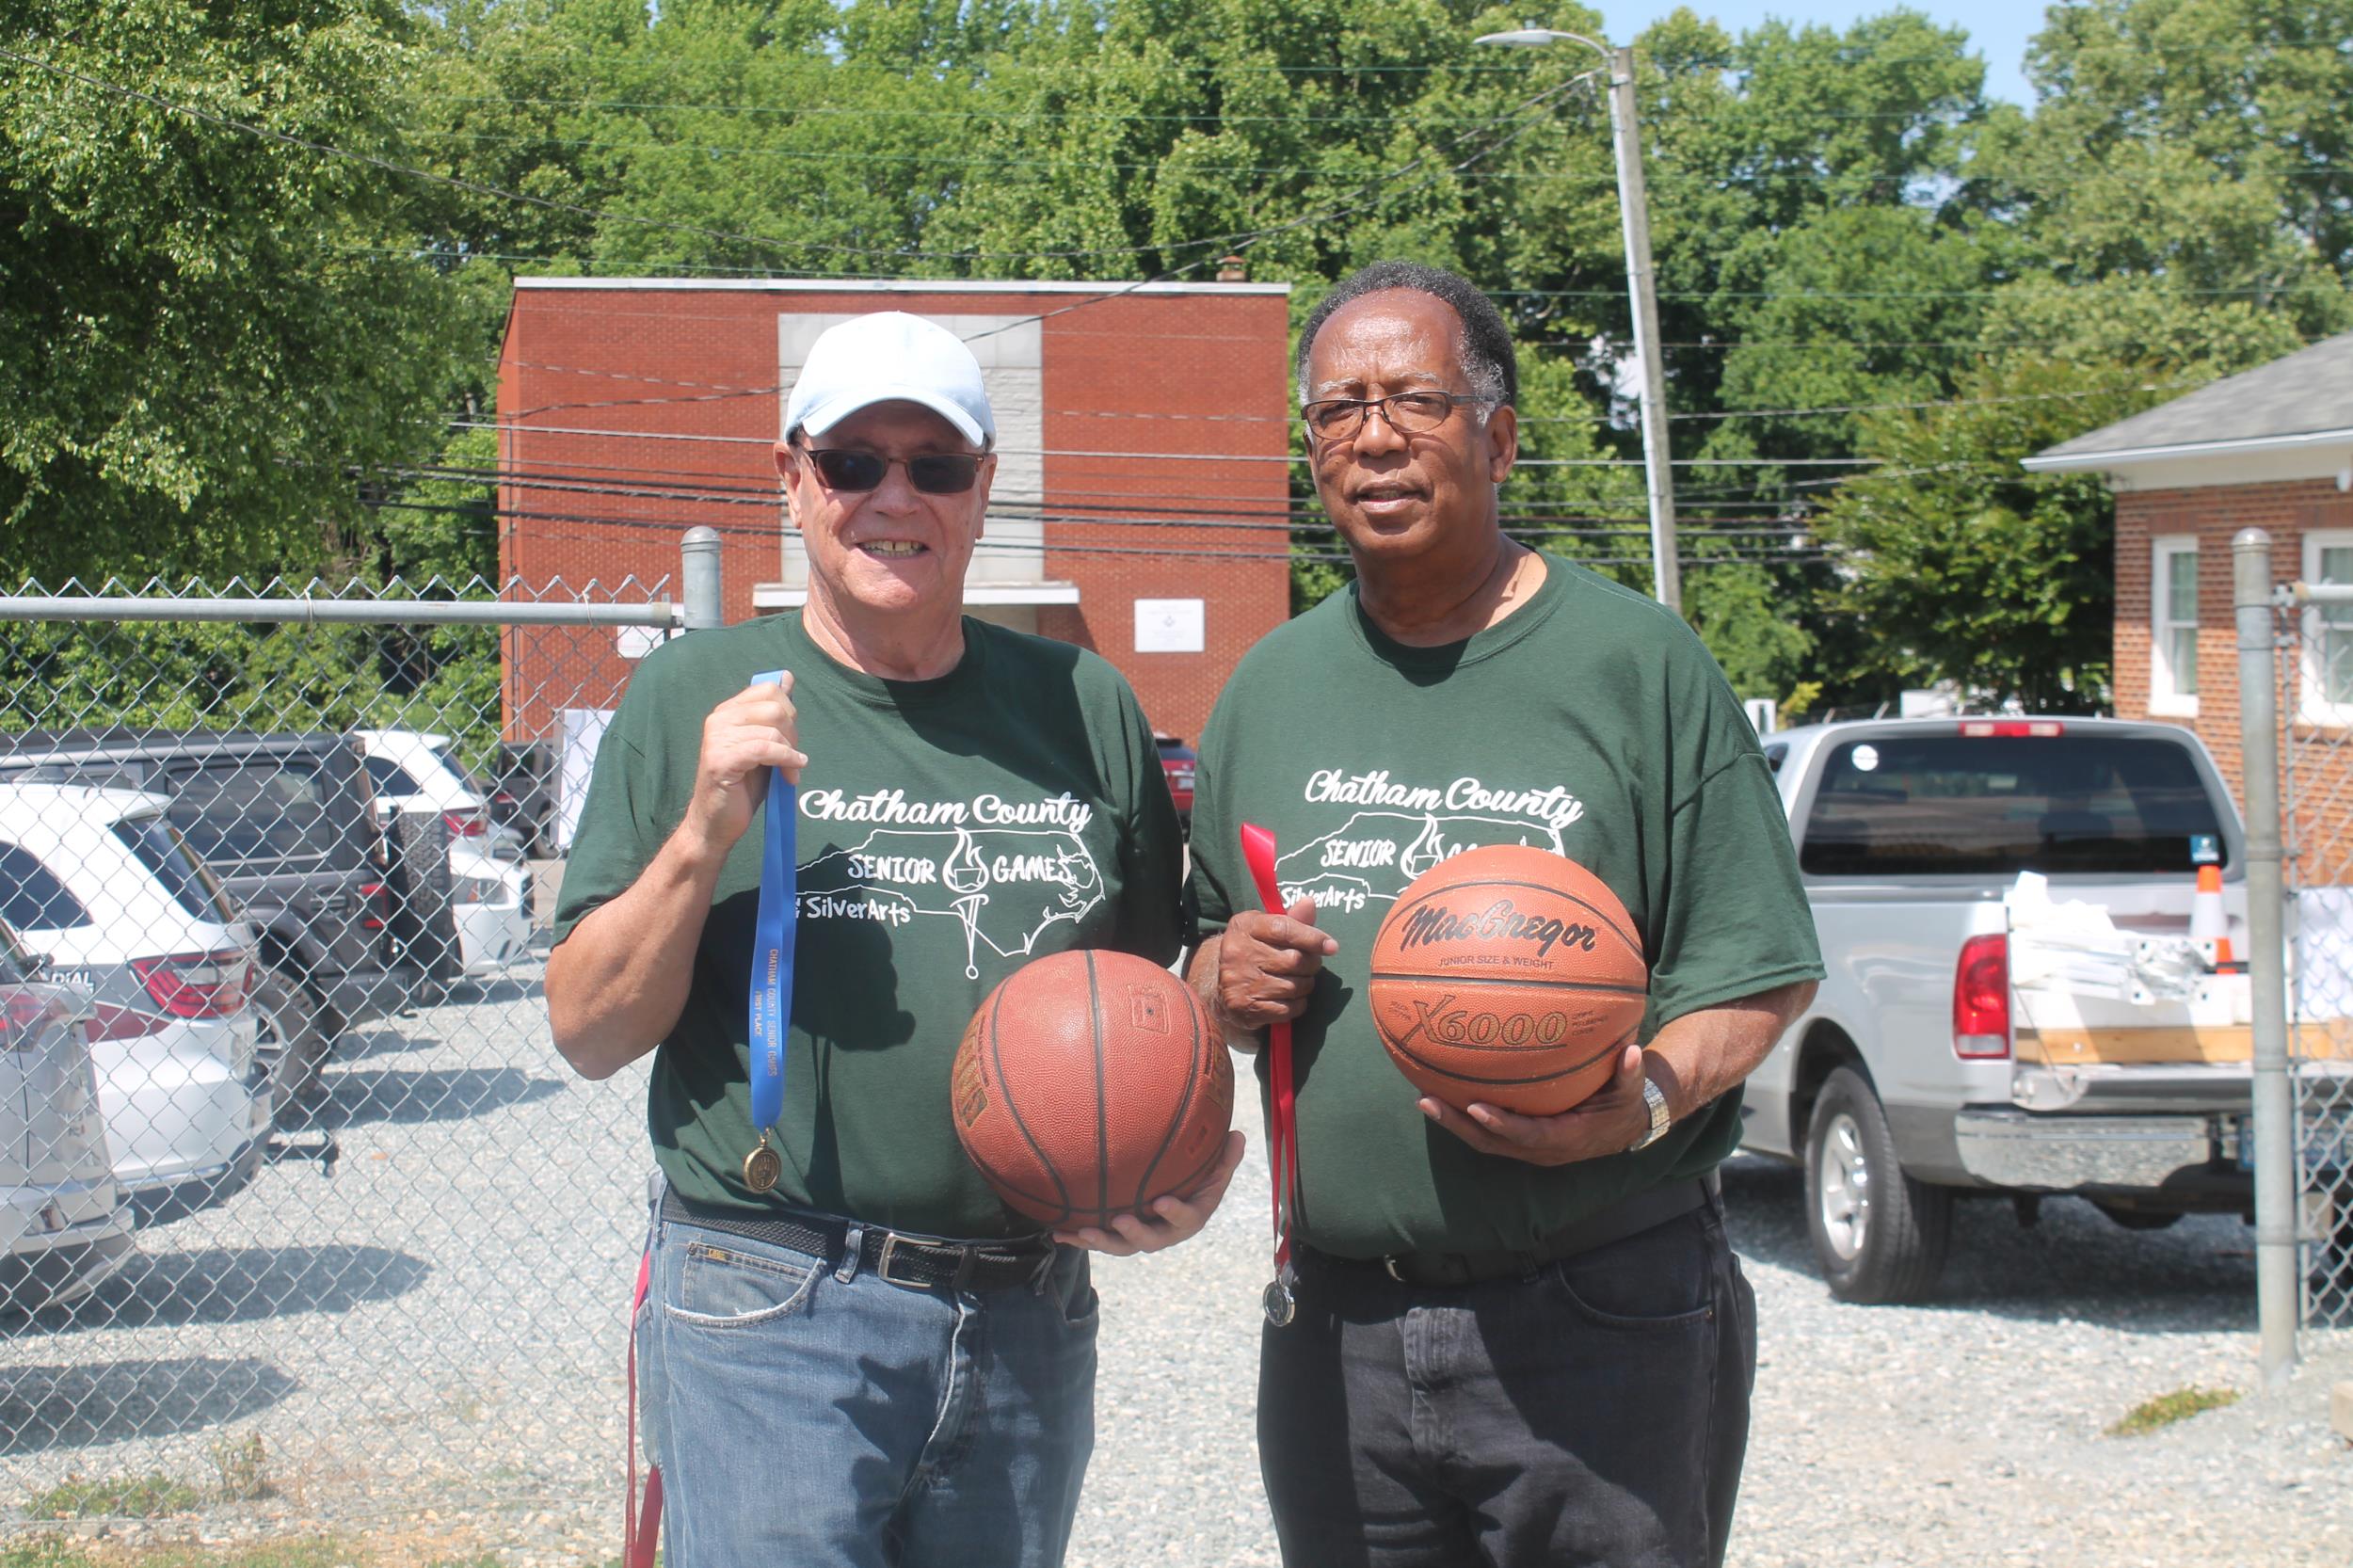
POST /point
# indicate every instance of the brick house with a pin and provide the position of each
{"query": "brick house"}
(2271, 448)
(1140, 506)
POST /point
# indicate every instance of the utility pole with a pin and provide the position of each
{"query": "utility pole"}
(1642, 290)
(1641, 281)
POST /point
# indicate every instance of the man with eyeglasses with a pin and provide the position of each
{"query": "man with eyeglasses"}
(851, 1352)
(1502, 1339)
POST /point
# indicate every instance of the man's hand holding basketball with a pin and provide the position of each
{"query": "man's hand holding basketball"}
(1173, 1219)
(1267, 966)
(1606, 1122)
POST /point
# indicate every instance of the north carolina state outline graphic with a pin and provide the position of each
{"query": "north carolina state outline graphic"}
(1374, 855)
(996, 881)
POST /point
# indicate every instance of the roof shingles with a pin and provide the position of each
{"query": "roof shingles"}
(2308, 392)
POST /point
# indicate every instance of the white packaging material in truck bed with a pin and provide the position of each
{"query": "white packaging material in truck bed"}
(2070, 967)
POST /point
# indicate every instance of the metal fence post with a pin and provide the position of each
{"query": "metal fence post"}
(699, 577)
(2276, 1291)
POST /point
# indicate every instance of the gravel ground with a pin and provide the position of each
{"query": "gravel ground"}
(428, 1342)
(1967, 1432)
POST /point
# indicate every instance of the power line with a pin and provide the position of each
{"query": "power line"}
(1007, 549)
(1149, 456)
(949, 285)
(715, 393)
(1941, 403)
(690, 483)
(1058, 501)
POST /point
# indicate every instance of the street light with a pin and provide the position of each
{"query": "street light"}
(1634, 222)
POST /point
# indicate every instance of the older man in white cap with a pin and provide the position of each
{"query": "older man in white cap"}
(851, 1353)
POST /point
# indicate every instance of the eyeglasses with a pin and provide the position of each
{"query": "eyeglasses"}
(851, 471)
(1408, 413)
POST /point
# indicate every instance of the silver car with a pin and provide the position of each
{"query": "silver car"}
(64, 1223)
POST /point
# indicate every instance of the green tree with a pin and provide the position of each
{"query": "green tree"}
(204, 328)
(1964, 566)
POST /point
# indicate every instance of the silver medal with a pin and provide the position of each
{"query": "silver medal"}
(1280, 1306)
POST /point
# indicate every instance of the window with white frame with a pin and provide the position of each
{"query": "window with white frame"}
(2173, 626)
(2328, 678)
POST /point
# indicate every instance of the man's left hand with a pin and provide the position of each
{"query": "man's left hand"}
(1607, 1122)
(1173, 1219)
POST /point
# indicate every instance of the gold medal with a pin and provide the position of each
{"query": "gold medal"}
(762, 1166)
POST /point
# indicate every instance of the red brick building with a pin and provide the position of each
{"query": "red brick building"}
(2270, 449)
(1141, 488)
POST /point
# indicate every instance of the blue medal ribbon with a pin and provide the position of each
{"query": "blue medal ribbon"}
(772, 946)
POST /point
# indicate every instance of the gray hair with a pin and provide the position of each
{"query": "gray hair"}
(1490, 364)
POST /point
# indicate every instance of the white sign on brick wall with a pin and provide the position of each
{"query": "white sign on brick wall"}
(1169, 625)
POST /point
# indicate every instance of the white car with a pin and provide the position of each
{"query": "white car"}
(491, 901)
(99, 884)
(413, 771)
(490, 883)
(64, 1224)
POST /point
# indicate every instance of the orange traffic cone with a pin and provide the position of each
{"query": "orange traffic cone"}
(2208, 922)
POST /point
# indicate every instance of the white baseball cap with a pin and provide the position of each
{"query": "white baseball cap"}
(885, 357)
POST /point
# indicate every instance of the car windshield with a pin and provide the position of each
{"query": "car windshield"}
(163, 850)
(1994, 806)
(264, 808)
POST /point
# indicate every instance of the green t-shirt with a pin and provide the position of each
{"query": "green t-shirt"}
(950, 830)
(1589, 722)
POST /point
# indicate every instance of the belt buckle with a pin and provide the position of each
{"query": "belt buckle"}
(882, 1265)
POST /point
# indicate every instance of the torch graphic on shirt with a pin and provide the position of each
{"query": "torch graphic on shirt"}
(1424, 852)
(966, 873)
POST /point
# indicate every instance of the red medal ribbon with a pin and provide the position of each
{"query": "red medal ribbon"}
(1258, 851)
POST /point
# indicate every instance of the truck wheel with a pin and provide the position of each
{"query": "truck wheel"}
(1879, 1234)
(292, 1041)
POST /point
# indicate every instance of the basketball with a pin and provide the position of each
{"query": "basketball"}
(1089, 1084)
(1507, 976)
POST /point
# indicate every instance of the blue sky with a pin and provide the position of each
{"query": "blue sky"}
(1999, 29)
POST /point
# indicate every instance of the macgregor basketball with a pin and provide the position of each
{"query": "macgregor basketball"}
(1509, 976)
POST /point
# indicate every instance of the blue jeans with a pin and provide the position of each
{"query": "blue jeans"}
(1592, 1413)
(811, 1413)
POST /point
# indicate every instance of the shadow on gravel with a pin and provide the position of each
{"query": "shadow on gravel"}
(359, 1097)
(383, 1039)
(2196, 1277)
(497, 991)
(72, 1407)
(228, 1285)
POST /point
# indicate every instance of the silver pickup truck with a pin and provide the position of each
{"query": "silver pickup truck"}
(1922, 1074)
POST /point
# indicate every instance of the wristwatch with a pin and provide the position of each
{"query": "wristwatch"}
(1655, 1101)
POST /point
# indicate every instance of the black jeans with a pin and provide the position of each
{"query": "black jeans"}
(1595, 1411)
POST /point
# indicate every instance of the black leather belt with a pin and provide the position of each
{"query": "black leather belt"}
(916, 1263)
(1627, 1217)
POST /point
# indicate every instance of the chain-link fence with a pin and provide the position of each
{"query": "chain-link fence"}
(305, 1219)
(2316, 707)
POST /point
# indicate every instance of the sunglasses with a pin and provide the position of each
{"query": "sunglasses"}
(851, 471)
